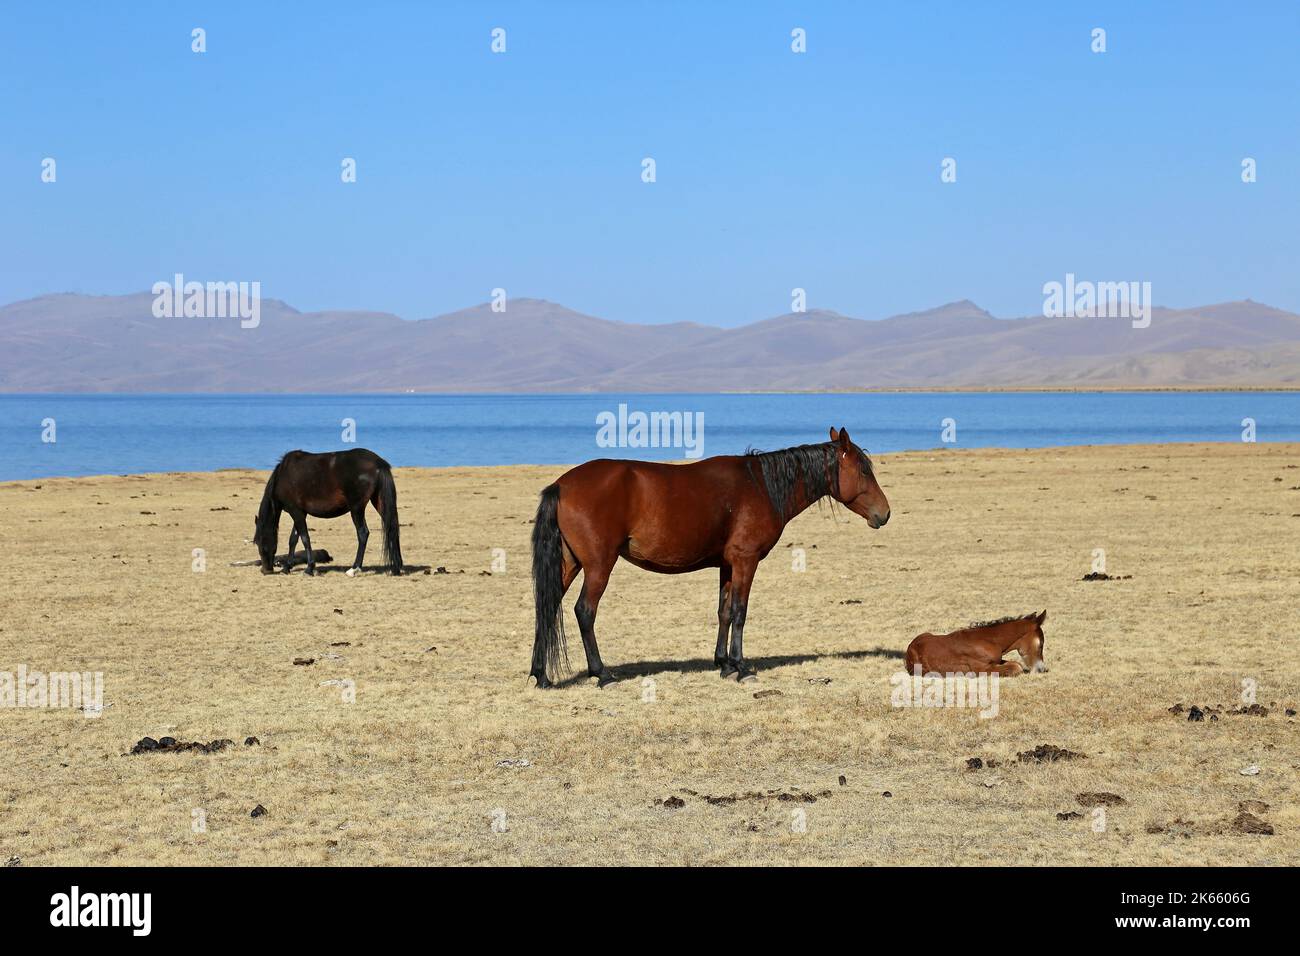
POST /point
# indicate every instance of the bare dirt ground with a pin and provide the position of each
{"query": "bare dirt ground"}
(1204, 541)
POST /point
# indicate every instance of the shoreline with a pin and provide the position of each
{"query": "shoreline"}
(1135, 447)
(868, 390)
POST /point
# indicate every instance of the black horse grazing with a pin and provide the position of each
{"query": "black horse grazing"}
(327, 485)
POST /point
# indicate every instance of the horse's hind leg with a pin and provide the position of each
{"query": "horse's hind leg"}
(363, 534)
(724, 615)
(300, 526)
(1008, 669)
(595, 577)
(378, 502)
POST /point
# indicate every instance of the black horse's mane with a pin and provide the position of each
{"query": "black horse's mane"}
(266, 511)
(783, 470)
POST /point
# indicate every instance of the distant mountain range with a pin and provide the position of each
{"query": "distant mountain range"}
(81, 343)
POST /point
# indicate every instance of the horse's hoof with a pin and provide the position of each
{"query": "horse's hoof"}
(543, 682)
(267, 571)
(606, 677)
(351, 572)
(310, 572)
(397, 572)
(741, 671)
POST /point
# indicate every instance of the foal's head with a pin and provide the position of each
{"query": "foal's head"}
(1030, 643)
(858, 490)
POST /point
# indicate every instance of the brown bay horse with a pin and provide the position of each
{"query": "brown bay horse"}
(979, 649)
(725, 512)
(327, 485)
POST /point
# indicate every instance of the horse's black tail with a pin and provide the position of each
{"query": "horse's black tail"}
(388, 514)
(549, 651)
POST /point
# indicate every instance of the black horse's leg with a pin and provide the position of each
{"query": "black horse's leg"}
(594, 581)
(363, 534)
(724, 615)
(293, 544)
(300, 525)
(742, 578)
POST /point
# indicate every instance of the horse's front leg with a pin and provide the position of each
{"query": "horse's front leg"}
(293, 544)
(724, 615)
(300, 526)
(742, 577)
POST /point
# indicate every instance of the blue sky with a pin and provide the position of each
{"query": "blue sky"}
(775, 170)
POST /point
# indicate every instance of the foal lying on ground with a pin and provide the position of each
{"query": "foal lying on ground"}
(980, 648)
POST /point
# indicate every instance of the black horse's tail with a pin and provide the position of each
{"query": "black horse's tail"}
(549, 651)
(388, 514)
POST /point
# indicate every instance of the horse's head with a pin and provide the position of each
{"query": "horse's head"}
(1030, 645)
(265, 534)
(858, 489)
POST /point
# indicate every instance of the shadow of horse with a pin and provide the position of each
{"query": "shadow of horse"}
(638, 669)
(368, 570)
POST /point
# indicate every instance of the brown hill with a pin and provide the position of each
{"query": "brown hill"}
(114, 343)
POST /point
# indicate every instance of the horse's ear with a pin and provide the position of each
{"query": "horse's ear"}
(1042, 617)
(835, 433)
(842, 437)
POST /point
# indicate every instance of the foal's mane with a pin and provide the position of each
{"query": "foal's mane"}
(1003, 620)
(782, 471)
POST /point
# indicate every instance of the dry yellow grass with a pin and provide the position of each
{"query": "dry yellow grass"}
(99, 578)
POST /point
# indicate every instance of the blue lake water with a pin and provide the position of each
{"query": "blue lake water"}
(124, 434)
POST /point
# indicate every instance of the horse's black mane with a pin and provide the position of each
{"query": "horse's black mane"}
(267, 515)
(782, 471)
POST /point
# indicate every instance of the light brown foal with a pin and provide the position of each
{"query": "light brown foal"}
(980, 648)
